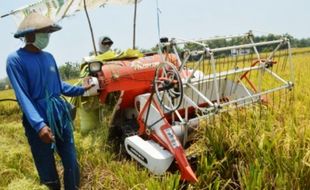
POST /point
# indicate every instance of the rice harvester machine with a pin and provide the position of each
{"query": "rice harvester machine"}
(165, 95)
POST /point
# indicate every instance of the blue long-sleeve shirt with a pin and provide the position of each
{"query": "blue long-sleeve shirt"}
(34, 76)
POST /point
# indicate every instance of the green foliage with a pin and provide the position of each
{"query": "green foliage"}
(69, 71)
(5, 84)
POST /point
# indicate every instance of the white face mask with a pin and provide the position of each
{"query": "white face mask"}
(104, 48)
(41, 40)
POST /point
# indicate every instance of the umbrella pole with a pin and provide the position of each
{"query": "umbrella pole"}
(90, 28)
(134, 26)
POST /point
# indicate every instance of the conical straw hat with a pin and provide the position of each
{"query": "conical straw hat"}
(36, 22)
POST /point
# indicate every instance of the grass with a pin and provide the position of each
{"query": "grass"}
(16, 166)
(256, 148)
(9, 110)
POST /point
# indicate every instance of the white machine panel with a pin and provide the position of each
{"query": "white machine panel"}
(149, 154)
(93, 91)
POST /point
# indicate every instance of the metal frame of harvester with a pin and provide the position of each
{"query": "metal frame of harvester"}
(165, 95)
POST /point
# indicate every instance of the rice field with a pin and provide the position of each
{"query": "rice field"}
(258, 148)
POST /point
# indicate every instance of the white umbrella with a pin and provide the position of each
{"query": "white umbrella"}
(58, 9)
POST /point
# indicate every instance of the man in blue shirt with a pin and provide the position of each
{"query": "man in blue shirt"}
(38, 88)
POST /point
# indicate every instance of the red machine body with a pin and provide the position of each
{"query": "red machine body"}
(133, 78)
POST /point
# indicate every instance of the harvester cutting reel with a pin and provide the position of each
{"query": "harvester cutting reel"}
(237, 75)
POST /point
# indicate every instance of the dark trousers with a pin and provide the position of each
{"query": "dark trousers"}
(44, 159)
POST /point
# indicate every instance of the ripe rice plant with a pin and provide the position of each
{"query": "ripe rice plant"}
(262, 147)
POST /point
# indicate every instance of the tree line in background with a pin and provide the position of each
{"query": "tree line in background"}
(71, 70)
(67, 71)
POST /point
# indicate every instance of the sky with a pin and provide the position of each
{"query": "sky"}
(186, 19)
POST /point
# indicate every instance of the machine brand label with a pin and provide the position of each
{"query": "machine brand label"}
(137, 154)
(172, 138)
(140, 66)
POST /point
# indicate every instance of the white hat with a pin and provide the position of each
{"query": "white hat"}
(36, 22)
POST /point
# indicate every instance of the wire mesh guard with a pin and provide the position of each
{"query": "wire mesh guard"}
(223, 73)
